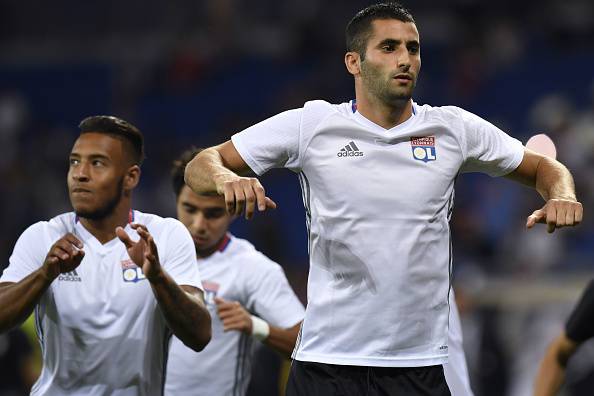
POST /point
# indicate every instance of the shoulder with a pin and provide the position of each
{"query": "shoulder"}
(156, 223)
(250, 259)
(316, 111)
(442, 113)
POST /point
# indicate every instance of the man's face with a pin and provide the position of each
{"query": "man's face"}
(96, 174)
(392, 60)
(206, 218)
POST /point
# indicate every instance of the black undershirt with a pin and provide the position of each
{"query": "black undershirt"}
(580, 325)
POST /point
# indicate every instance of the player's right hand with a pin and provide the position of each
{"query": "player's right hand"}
(64, 255)
(244, 193)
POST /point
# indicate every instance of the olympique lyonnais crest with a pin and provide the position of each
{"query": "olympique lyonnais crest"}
(210, 291)
(131, 272)
(423, 148)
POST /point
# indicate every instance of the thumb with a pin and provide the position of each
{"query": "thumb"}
(536, 217)
(124, 237)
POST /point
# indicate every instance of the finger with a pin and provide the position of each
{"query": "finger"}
(239, 199)
(579, 213)
(570, 216)
(66, 247)
(270, 203)
(226, 314)
(229, 197)
(250, 199)
(561, 214)
(59, 253)
(219, 300)
(73, 240)
(260, 194)
(233, 324)
(551, 218)
(124, 237)
(138, 226)
(534, 218)
(52, 259)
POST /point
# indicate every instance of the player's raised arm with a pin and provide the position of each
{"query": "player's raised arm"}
(182, 306)
(18, 299)
(555, 184)
(218, 169)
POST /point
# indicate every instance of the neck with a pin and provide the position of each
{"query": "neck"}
(203, 253)
(104, 229)
(386, 115)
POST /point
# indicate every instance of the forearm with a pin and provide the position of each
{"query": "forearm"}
(19, 299)
(185, 314)
(551, 373)
(204, 173)
(282, 340)
(553, 180)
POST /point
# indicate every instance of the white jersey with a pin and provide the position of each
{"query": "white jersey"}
(377, 204)
(456, 370)
(237, 272)
(99, 326)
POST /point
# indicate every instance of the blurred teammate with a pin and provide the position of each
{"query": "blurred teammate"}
(578, 329)
(377, 175)
(104, 279)
(247, 294)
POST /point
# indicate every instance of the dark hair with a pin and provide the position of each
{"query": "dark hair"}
(179, 167)
(118, 127)
(358, 29)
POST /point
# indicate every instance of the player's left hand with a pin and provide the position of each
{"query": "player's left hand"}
(557, 213)
(234, 316)
(144, 252)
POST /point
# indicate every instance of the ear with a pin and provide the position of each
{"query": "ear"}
(352, 60)
(132, 177)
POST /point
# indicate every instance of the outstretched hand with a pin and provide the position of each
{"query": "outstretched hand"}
(245, 193)
(144, 252)
(557, 213)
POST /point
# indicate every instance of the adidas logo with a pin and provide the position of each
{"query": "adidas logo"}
(350, 150)
(71, 276)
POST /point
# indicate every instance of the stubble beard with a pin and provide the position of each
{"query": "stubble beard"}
(108, 208)
(379, 86)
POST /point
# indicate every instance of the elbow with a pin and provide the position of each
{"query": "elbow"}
(202, 336)
(188, 173)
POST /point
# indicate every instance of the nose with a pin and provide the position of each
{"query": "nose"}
(403, 59)
(199, 223)
(80, 173)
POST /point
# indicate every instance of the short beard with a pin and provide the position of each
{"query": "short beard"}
(108, 208)
(373, 79)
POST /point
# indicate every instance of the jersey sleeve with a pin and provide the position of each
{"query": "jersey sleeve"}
(179, 258)
(488, 149)
(269, 295)
(580, 325)
(272, 143)
(28, 254)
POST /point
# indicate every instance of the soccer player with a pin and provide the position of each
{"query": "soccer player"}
(578, 329)
(108, 284)
(247, 294)
(377, 175)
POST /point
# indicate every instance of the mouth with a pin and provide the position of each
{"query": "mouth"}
(199, 240)
(79, 190)
(403, 78)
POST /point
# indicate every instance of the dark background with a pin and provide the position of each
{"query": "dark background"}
(194, 72)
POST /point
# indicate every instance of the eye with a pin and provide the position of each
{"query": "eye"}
(214, 214)
(74, 161)
(413, 49)
(388, 47)
(98, 163)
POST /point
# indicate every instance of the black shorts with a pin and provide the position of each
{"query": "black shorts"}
(319, 379)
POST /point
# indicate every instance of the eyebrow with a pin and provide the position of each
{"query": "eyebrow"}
(390, 41)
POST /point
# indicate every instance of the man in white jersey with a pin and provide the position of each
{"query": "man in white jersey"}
(247, 294)
(377, 175)
(108, 284)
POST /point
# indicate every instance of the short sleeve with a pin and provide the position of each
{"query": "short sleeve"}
(580, 325)
(270, 296)
(272, 143)
(179, 258)
(488, 149)
(28, 254)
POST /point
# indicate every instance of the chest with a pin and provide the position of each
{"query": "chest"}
(350, 168)
(103, 288)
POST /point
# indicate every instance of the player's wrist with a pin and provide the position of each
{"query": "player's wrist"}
(260, 328)
(49, 272)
